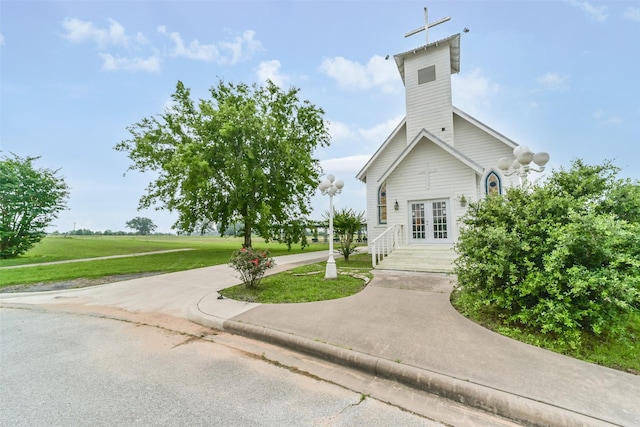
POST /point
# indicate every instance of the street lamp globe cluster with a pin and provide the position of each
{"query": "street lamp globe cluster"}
(520, 163)
(330, 186)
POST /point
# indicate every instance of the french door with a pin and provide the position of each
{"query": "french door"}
(429, 221)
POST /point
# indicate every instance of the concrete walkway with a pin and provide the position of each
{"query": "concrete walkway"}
(401, 327)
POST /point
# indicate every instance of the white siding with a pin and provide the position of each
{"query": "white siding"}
(449, 179)
(479, 145)
(429, 105)
(375, 171)
(483, 148)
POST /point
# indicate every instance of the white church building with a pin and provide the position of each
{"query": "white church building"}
(437, 160)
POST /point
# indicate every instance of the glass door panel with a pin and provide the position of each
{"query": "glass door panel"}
(439, 224)
(429, 221)
(418, 221)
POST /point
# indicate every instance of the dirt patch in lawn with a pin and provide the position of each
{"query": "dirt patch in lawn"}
(72, 284)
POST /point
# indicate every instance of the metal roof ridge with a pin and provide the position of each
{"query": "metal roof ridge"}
(426, 46)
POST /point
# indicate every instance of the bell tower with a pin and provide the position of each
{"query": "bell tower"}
(426, 73)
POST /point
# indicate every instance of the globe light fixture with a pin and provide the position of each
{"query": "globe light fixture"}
(520, 163)
(330, 186)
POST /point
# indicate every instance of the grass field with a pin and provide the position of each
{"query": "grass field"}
(206, 251)
(57, 248)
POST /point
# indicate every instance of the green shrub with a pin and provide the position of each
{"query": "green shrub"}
(251, 264)
(346, 223)
(560, 258)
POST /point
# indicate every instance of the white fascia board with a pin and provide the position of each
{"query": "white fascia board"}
(477, 123)
(440, 143)
(363, 172)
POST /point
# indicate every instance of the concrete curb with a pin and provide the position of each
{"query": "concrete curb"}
(497, 402)
(195, 315)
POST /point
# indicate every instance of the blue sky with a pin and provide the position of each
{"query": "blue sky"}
(557, 76)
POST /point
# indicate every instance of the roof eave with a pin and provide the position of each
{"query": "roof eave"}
(440, 143)
(507, 141)
(454, 46)
(362, 175)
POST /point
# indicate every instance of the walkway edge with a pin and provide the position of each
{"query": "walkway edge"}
(196, 315)
(494, 401)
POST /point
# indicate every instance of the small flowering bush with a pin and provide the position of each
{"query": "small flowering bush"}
(251, 264)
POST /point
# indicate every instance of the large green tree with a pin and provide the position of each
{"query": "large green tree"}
(142, 225)
(245, 154)
(30, 199)
(561, 258)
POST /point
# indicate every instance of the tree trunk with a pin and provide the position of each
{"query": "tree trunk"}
(347, 252)
(247, 233)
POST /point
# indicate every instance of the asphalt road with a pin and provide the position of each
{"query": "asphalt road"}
(60, 369)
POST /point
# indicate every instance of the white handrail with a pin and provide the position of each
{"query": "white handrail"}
(385, 243)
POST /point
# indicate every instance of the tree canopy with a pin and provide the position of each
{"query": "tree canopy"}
(245, 154)
(142, 225)
(561, 258)
(30, 200)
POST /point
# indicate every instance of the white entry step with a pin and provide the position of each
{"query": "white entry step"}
(428, 258)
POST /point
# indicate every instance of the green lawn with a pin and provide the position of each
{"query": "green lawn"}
(306, 283)
(57, 248)
(206, 251)
(621, 353)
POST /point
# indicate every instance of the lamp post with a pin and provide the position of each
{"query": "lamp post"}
(520, 163)
(331, 186)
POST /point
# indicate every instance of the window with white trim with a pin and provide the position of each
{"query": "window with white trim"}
(382, 204)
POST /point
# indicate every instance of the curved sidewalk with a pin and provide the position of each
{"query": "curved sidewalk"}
(401, 326)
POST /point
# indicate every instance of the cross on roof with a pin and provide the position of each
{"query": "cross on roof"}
(427, 25)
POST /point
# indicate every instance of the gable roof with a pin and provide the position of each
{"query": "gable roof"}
(454, 47)
(477, 123)
(451, 150)
(440, 143)
(363, 172)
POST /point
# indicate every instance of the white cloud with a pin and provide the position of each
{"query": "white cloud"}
(553, 82)
(270, 70)
(473, 91)
(364, 137)
(604, 119)
(351, 75)
(597, 13)
(115, 35)
(116, 63)
(1, 39)
(633, 13)
(78, 31)
(344, 165)
(379, 133)
(340, 131)
(241, 48)
(195, 50)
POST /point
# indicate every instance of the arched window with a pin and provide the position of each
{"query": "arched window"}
(382, 204)
(492, 184)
